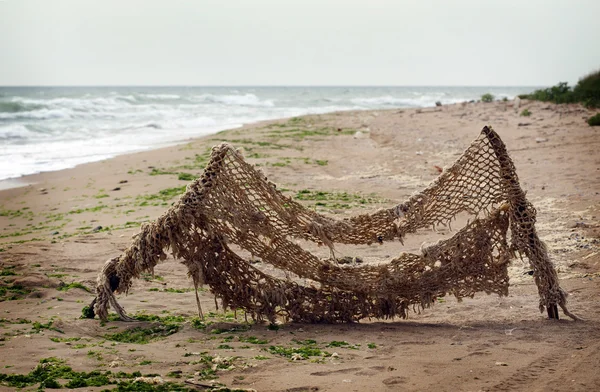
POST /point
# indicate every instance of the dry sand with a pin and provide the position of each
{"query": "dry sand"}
(50, 237)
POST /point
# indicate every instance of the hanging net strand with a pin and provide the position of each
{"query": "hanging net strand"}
(234, 205)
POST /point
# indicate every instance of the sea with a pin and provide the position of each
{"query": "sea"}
(53, 128)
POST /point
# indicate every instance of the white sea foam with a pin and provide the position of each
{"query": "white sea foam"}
(39, 114)
(161, 96)
(16, 132)
(236, 100)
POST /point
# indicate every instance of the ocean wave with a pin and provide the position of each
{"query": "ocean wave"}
(81, 103)
(16, 107)
(17, 133)
(14, 132)
(197, 122)
(160, 96)
(383, 100)
(127, 98)
(418, 101)
(40, 114)
(235, 100)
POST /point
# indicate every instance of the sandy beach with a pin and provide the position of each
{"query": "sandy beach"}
(57, 232)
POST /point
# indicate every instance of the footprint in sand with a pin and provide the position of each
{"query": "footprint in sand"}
(373, 370)
(341, 371)
(394, 380)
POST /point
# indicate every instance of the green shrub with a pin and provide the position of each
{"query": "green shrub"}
(594, 121)
(587, 90)
(561, 93)
(487, 97)
(526, 113)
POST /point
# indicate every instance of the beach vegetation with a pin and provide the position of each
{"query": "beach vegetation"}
(8, 271)
(11, 292)
(163, 195)
(49, 371)
(37, 327)
(141, 335)
(299, 134)
(198, 324)
(95, 354)
(253, 340)
(342, 344)
(525, 113)
(594, 121)
(58, 276)
(87, 312)
(150, 277)
(305, 349)
(586, 92)
(16, 234)
(336, 200)
(160, 172)
(174, 290)
(487, 97)
(256, 143)
(257, 155)
(232, 328)
(186, 177)
(74, 285)
(62, 340)
(17, 321)
(560, 93)
(92, 209)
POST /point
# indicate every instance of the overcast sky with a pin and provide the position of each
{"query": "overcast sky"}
(279, 42)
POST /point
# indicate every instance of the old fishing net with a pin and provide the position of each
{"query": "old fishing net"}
(233, 206)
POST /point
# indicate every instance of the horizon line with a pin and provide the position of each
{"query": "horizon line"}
(260, 85)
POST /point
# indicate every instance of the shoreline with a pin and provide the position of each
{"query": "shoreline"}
(25, 180)
(6, 183)
(60, 128)
(57, 234)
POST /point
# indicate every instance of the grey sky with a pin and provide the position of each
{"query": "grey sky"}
(278, 42)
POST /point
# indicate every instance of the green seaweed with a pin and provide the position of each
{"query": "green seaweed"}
(303, 352)
(11, 292)
(252, 340)
(49, 370)
(73, 285)
(8, 271)
(140, 335)
(163, 195)
(186, 177)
